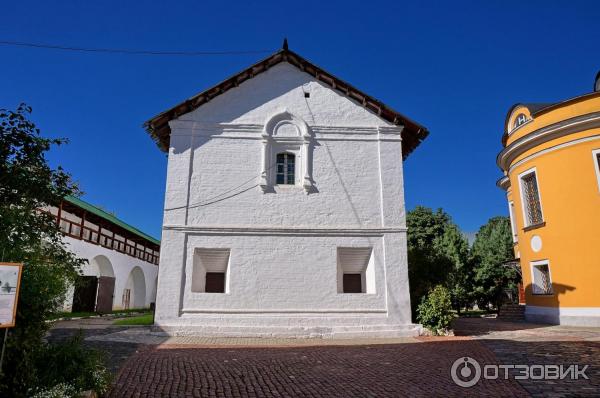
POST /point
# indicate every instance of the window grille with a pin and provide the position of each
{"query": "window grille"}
(531, 196)
(541, 279)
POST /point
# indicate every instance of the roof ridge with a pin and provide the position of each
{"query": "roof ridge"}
(412, 135)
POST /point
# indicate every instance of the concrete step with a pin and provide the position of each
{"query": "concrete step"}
(350, 331)
(512, 312)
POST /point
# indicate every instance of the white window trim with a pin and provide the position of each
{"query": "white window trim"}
(299, 144)
(534, 264)
(595, 154)
(522, 196)
(513, 221)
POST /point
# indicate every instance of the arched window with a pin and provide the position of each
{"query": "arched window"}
(286, 168)
(519, 120)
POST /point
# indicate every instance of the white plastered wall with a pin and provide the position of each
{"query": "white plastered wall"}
(282, 273)
(101, 260)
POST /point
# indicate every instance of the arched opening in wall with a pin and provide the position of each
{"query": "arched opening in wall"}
(134, 294)
(94, 292)
(102, 266)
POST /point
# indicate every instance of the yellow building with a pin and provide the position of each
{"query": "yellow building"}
(551, 165)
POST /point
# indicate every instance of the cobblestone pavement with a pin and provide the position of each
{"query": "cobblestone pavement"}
(235, 367)
(408, 369)
(522, 343)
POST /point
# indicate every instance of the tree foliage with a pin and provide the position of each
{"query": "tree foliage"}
(492, 248)
(27, 185)
(437, 255)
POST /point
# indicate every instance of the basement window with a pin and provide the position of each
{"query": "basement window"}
(541, 279)
(353, 283)
(210, 272)
(356, 270)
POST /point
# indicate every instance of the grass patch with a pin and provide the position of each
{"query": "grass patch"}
(72, 315)
(143, 320)
(69, 315)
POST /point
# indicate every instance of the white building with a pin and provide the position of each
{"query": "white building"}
(122, 268)
(284, 210)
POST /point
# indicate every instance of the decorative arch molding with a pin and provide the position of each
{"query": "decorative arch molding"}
(285, 132)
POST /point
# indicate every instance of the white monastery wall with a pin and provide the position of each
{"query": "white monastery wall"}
(121, 266)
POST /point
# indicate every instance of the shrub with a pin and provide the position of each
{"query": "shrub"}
(58, 391)
(435, 310)
(72, 368)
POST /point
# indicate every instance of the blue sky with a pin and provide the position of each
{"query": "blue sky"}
(454, 66)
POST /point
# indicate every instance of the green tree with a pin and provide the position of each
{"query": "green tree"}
(27, 185)
(437, 255)
(492, 248)
(453, 245)
(425, 227)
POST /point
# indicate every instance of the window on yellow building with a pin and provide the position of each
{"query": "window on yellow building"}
(519, 120)
(530, 197)
(596, 155)
(541, 279)
(513, 221)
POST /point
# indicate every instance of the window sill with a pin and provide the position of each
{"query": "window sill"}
(534, 226)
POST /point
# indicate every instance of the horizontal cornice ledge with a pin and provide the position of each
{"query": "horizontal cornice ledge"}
(240, 230)
(190, 127)
(545, 134)
(503, 183)
(281, 311)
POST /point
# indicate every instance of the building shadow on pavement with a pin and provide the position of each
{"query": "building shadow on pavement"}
(419, 368)
(481, 326)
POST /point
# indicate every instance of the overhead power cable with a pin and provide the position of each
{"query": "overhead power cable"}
(126, 51)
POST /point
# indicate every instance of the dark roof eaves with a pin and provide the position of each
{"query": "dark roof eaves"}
(417, 131)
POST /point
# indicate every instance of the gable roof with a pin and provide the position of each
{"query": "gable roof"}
(412, 135)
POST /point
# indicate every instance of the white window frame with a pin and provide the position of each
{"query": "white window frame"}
(513, 220)
(532, 170)
(534, 264)
(284, 132)
(365, 268)
(595, 154)
(285, 171)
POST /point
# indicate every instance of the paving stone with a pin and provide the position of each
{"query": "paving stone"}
(235, 367)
